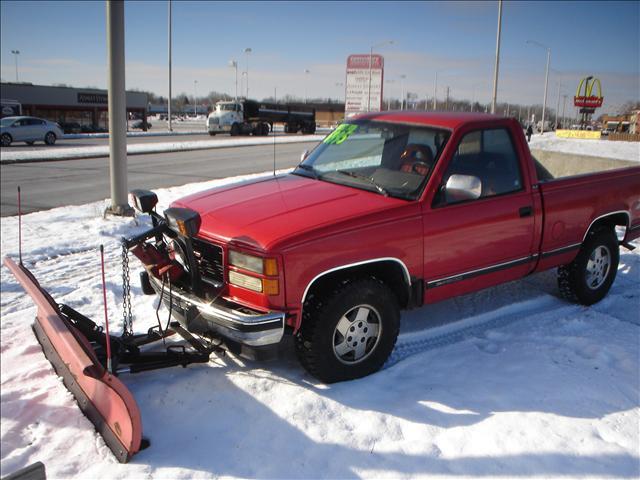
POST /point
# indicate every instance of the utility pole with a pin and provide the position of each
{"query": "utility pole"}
(564, 104)
(497, 62)
(402, 77)
(306, 76)
(435, 93)
(117, 109)
(169, 104)
(446, 102)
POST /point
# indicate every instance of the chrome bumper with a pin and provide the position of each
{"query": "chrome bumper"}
(253, 329)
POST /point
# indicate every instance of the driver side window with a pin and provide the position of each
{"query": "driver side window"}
(488, 156)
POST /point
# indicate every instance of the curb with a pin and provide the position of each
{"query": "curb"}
(143, 149)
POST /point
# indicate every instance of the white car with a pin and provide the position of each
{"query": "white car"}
(29, 130)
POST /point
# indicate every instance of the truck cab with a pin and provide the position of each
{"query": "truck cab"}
(224, 116)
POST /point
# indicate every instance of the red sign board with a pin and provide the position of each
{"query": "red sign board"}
(588, 102)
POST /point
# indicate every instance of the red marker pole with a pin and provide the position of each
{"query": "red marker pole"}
(19, 227)
(106, 316)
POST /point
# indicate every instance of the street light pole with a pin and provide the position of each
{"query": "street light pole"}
(435, 93)
(15, 54)
(388, 42)
(169, 102)
(402, 77)
(195, 98)
(497, 63)
(339, 84)
(247, 51)
(546, 79)
(234, 64)
(117, 109)
(564, 104)
(306, 76)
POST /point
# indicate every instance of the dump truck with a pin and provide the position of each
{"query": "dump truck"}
(248, 117)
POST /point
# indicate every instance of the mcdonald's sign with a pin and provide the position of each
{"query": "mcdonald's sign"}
(585, 99)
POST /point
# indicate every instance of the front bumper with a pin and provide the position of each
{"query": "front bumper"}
(220, 317)
(217, 128)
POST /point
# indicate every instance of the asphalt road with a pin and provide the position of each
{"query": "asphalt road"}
(92, 142)
(47, 185)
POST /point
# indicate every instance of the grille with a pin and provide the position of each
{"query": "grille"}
(209, 259)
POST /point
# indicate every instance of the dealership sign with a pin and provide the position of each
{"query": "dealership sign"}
(365, 75)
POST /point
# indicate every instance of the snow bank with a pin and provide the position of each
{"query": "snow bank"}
(507, 382)
(58, 153)
(75, 136)
(595, 148)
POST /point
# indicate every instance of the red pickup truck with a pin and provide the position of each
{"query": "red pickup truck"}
(389, 212)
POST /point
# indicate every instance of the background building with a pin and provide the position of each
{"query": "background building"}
(84, 106)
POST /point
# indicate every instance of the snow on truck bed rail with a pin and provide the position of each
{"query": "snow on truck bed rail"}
(507, 382)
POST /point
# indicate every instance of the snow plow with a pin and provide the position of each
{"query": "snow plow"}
(89, 361)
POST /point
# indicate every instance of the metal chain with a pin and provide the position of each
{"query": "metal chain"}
(127, 317)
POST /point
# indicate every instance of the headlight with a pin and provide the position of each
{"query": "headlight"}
(264, 266)
(144, 200)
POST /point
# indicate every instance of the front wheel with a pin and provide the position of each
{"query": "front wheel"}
(235, 130)
(213, 134)
(50, 138)
(589, 277)
(350, 332)
(6, 140)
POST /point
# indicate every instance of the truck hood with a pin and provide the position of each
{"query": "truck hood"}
(264, 213)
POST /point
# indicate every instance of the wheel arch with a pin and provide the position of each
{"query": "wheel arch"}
(390, 270)
(612, 219)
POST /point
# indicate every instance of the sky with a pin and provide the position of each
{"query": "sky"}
(65, 42)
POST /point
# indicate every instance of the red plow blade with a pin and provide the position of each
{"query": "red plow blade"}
(101, 396)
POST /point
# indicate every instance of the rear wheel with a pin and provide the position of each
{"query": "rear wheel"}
(589, 277)
(349, 332)
(50, 138)
(213, 134)
(6, 139)
(235, 130)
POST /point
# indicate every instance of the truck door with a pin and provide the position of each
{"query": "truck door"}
(472, 243)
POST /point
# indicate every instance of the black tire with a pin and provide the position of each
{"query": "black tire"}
(319, 339)
(235, 130)
(30, 142)
(589, 277)
(50, 138)
(265, 129)
(213, 134)
(6, 140)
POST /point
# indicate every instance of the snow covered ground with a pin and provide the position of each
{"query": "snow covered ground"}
(507, 382)
(595, 148)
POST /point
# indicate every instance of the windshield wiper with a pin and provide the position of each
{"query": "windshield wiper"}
(310, 169)
(369, 180)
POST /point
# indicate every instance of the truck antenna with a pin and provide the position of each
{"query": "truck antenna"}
(19, 227)
(273, 130)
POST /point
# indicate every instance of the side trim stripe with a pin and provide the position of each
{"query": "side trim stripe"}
(481, 271)
(561, 250)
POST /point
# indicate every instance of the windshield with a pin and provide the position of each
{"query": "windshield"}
(226, 106)
(5, 122)
(391, 159)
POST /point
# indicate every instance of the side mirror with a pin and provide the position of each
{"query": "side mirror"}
(304, 155)
(462, 187)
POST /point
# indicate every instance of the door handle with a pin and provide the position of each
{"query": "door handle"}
(525, 211)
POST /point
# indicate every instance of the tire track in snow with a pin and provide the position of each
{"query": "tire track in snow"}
(411, 343)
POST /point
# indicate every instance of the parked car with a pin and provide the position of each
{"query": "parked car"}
(390, 211)
(70, 127)
(29, 130)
